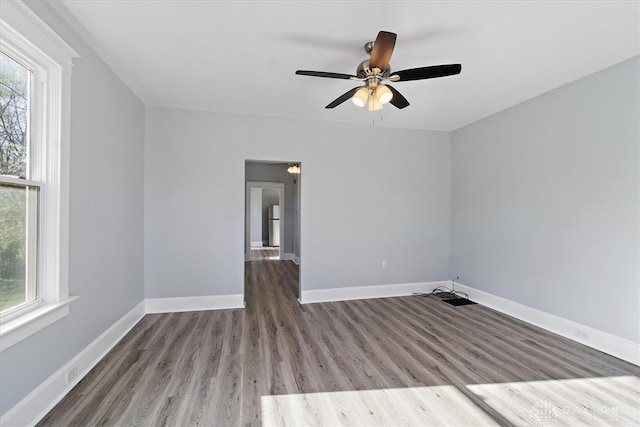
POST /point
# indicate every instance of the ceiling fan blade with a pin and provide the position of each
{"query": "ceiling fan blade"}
(382, 50)
(327, 74)
(398, 100)
(339, 100)
(426, 72)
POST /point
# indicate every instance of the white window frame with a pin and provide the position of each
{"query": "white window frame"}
(25, 37)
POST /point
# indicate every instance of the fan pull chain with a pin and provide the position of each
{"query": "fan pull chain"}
(373, 119)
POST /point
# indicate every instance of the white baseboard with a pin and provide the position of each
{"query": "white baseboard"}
(611, 344)
(208, 302)
(367, 292)
(256, 244)
(291, 257)
(30, 410)
(41, 400)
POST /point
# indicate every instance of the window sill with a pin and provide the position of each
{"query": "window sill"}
(15, 330)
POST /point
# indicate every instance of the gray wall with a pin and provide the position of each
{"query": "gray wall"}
(256, 215)
(546, 202)
(106, 220)
(369, 194)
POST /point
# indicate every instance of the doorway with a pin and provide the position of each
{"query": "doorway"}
(272, 229)
(264, 223)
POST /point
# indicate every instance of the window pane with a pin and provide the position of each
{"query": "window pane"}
(14, 115)
(18, 245)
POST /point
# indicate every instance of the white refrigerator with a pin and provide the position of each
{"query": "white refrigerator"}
(274, 225)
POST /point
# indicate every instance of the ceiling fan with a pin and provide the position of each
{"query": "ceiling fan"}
(375, 70)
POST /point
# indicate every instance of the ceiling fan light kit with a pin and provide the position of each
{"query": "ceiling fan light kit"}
(376, 70)
(361, 96)
(374, 104)
(294, 169)
(383, 93)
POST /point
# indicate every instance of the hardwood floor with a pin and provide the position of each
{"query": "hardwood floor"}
(396, 361)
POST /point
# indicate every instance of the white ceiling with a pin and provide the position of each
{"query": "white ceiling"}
(240, 56)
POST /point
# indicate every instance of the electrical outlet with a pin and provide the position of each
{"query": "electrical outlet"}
(72, 374)
(582, 334)
(384, 263)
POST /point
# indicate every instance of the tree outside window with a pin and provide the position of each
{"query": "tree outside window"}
(18, 203)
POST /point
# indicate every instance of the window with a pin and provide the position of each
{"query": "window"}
(19, 196)
(34, 134)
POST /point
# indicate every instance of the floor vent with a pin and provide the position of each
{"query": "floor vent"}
(459, 301)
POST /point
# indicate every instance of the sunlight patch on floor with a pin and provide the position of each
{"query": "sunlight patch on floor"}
(412, 406)
(581, 401)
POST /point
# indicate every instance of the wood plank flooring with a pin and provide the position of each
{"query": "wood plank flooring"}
(396, 361)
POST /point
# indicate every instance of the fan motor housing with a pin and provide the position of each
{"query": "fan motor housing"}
(363, 71)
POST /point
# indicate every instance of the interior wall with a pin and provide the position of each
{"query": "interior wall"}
(256, 216)
(370, 193)
(105, 220)
(545, 205)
